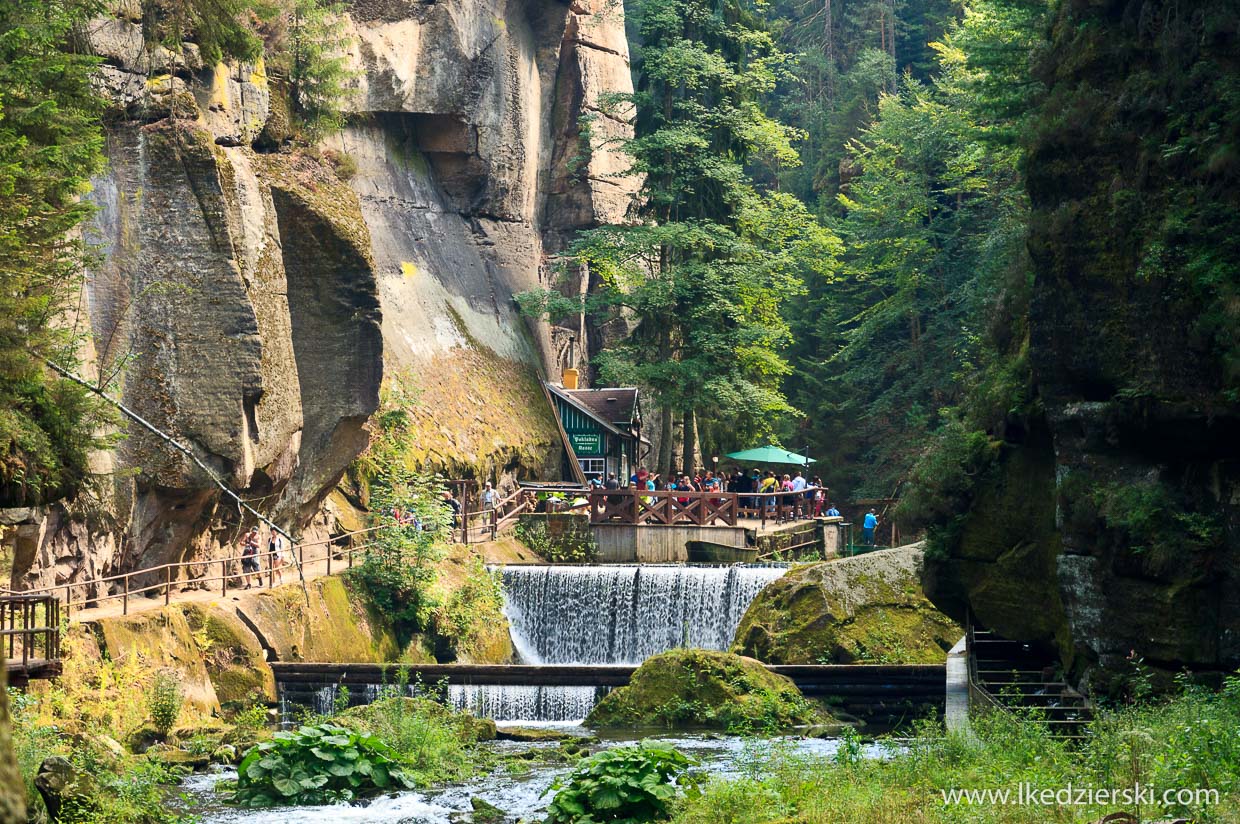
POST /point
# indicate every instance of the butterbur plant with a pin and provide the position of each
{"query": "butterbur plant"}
(317, 764)
(625, 785)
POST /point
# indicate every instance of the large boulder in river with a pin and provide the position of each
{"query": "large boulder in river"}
(869, 608)
(704, 688)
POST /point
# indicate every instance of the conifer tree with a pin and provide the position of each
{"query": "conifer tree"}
(51, 143)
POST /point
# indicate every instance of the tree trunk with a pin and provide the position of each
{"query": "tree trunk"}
(664, 467)
(690, 445)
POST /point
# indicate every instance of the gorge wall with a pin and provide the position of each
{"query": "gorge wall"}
(253, 297)
(1110, 524)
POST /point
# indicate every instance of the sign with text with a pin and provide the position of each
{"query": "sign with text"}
(586, 443)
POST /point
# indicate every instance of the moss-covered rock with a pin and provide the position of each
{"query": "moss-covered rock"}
(236, 662)
(870, 608)
(333, 625)
(162, 639)
(704, 688)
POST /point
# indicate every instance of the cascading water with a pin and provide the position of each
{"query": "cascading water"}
(522, 703)
(625, 614)
(615, 614)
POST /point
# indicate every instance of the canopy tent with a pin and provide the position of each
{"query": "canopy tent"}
(770, 455)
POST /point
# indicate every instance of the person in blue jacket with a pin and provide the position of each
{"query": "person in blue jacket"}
(867, 528)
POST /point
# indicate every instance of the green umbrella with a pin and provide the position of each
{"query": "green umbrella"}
(771, 455)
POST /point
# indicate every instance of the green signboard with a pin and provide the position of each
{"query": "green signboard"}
(586, 444)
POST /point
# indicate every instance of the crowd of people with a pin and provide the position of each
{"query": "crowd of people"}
(789, 497)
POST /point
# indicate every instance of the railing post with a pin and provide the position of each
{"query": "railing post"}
(168, 585)
(223, 577)
(329, 558)
(125, 596)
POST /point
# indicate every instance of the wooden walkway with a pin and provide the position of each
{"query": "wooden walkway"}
(30, 637)
(890, 691)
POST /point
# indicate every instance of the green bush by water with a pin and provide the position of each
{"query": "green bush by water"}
(318, 765)
(627, 785)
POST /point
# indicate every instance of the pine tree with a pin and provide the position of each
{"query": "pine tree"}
(51, 143)
(705, 271)
(315, 64)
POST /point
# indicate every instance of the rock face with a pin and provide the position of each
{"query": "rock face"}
(250, 302)
(703, 688)
(1114, 522)
(866, 609)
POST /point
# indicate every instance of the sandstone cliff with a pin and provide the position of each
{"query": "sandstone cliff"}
(1110, 523)
(252, 297)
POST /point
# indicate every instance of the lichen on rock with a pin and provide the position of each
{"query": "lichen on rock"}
(704, 688)
(869, 608)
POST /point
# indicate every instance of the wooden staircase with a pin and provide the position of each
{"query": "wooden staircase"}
(1018, 678)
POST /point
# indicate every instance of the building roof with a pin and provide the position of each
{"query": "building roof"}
(616, 406)
(614, 409)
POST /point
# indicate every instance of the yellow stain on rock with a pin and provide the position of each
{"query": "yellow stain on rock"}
(408, 269)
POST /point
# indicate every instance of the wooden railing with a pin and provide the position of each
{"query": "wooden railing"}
(672, 507)
(169, 575)
(474, 527)
(30, 632)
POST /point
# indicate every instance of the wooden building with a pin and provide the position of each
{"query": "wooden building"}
(603, 430)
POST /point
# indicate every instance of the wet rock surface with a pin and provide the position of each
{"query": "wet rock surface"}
(865, 609)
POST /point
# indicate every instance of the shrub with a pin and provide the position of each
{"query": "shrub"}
(317, 765)
(432, 741)
(165, 701)
(569, 546)
(625, 784)
(473, 613)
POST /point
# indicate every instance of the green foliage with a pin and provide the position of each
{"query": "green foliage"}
(123, 791)
(627, 785)
(1183, 742)
(318, 765)
(433, 743)
(397, 571)
(307, 46)
(51, 143)
(469, 614)
(944, 481)
(1149, 517)
(165, 700)
(220, 28)
(927, 315)
(704, 272)
(570, 547)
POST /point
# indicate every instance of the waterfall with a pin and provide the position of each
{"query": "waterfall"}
(526, 704)
(624, 614)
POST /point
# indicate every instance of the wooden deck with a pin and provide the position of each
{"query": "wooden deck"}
(29, 637)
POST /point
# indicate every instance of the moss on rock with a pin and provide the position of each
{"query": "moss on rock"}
(236, 662)
(870, 608)
(332, 626)
(704, 688)
(162, 639)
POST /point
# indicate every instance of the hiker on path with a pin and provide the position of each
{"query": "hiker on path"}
(278, 554)
(249, 558)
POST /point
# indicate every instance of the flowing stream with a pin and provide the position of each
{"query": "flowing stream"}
(625, 614)
(615, 614)
(519, 795)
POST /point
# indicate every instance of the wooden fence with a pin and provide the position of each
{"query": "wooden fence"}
(679, 507)
(30, 636)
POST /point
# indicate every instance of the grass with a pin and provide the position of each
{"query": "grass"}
(1189, 742)
(122, 789)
